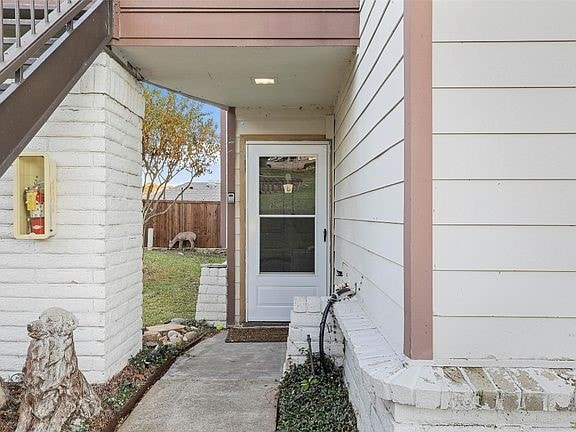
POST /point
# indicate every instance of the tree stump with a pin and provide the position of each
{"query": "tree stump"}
(54, 387)
(4, 395)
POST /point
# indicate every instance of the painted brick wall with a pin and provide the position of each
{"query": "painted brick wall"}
(211, 305)
(391, 393)
(305, 320)
(92, 266)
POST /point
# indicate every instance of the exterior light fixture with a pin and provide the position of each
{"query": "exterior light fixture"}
(264, 81)
(288, 185)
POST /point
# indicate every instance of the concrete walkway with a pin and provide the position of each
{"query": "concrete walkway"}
(214, 387)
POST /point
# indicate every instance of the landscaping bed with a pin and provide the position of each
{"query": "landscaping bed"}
(9, 417)
(314, 401)
(121, 393)
(171, 280)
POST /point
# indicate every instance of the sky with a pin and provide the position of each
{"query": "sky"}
(214, 175)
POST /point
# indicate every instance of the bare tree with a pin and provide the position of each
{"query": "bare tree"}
(177, 137)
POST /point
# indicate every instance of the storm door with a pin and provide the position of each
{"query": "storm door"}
(286, 226)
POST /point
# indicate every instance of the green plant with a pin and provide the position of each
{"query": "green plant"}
(148, 357)
(125, 391)
(315, 403)
(307, 383)
(78, 425)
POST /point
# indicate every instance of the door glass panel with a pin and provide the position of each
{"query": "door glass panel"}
(287, 185)
(287, 244)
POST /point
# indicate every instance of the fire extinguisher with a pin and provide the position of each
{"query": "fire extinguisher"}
(34, 197)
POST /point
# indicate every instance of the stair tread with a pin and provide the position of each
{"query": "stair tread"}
(9, 40)
(23, 21)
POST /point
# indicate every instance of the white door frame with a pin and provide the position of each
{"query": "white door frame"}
(254, 150)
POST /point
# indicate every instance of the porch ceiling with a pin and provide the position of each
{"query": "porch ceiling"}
(224, 75)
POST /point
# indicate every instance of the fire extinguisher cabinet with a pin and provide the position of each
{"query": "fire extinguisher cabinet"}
(34, 196)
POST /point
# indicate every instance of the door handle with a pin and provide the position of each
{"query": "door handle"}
(325, 234)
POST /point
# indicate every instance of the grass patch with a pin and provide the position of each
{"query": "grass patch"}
(171, 281)
(315, 403)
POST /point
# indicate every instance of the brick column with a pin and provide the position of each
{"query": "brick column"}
(92, 266)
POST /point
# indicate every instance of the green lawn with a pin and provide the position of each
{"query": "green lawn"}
(171, 284)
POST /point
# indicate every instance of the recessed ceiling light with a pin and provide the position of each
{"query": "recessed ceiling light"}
(264, 81)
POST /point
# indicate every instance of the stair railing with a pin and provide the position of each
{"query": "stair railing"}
(27, 45)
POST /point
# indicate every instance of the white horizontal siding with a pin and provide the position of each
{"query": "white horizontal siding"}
(505, 202)
(505, 294)
(512, 248)
(537, 64)
(505, 338)
(381, 66)
(382, 239)
(369, 169)
(371, 47)
(385, 275)
(504, 20)
(507, 157)
(386, 205)
(504, 76)
(388, 132)
(364, 119)
(519, 110)
(383, 171)
(386, 312)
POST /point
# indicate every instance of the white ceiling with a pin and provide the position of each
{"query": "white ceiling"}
(305, 75)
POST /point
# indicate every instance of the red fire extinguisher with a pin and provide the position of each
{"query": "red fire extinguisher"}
(35, 207)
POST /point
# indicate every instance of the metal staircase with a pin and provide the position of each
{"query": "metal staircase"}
(45, 47)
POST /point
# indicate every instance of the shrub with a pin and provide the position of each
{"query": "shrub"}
(315, 402)
(149, 357)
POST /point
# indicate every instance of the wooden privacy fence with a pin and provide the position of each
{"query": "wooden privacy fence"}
(201, 217)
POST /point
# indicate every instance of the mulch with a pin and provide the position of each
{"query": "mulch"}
(9, 417)
(131, 374)
(257, 334)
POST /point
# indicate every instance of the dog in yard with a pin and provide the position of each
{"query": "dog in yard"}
(54, 387)
(180, 238)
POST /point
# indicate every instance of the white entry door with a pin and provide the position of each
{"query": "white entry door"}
(286, 226)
